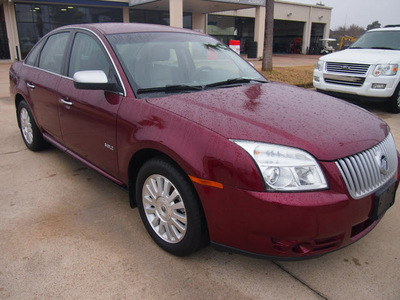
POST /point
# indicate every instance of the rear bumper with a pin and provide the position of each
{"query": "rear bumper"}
(286, 225)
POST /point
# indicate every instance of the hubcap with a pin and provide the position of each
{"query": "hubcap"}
(26, 125)
(164, 208)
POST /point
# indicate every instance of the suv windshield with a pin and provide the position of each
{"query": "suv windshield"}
(179, 62)
(378, 40)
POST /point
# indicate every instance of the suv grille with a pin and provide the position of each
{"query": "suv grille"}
(348, 68)
(367, 171)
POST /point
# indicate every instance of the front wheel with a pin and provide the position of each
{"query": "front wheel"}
(30, 132)
(394, 102)
(170, 208)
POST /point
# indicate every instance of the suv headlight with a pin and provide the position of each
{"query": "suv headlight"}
(320, 65)
(385, 70)
(285, 168)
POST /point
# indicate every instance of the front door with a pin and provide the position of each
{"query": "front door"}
(88, 117)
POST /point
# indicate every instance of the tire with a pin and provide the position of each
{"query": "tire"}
(394, 102)
(176, 224)
(31, 134)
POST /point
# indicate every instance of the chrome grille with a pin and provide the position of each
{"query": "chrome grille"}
(348, 68)
(344, 80)
(366, 172)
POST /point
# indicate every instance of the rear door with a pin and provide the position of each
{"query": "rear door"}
(88, 117)
(42, 79)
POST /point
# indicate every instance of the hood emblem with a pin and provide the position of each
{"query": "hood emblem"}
(383, 163)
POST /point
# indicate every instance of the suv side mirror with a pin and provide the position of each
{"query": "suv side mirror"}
(94, 80)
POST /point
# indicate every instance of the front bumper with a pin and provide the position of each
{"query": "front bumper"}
(287, 225)
(365, 90)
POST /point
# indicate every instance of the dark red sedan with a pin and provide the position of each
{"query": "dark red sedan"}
(207, 147)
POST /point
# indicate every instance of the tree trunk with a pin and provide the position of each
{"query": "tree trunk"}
(269, 36)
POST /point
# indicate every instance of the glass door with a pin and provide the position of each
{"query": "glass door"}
(4, 50)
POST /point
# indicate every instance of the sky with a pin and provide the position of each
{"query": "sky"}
(360, 12)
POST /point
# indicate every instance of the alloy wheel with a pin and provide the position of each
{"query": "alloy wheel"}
(164, 208)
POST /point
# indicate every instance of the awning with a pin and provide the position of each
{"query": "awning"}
(198, 6)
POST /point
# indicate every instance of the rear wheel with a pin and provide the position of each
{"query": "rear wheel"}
(170, 208)
(31, 134)
(394, 102)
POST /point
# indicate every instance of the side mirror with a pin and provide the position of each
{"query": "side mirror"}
(93, 80)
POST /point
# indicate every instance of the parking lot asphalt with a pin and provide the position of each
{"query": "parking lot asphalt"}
(67, 232)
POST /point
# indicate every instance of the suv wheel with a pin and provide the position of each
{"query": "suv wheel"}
(394, 102)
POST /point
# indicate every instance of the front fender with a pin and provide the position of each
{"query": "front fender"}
(199, 151)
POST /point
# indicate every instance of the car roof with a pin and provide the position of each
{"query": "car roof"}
(113, 28)
(394, 28)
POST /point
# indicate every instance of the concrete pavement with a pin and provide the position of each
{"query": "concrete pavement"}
(66, 232)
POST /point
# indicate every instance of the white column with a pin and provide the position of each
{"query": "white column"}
(199, 22)
(259, 29)
(126, 18)
(12, 33)
(307, 33)
(176, 13)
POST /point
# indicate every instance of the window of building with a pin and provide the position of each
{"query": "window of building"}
(157, 17)
(4, 50)
(35, 20)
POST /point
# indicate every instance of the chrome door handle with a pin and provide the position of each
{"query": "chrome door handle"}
(30, 85)
(66, 102)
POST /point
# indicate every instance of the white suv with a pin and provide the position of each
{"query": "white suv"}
(367, 70)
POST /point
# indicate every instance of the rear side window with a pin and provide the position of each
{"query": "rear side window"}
(86, 55)
(33, 55)
(52, 55)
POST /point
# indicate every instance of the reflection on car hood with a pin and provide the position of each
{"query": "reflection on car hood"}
(364, 56)
(278, 113)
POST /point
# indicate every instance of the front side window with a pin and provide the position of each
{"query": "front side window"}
(154, 61)
(87, 55)
(52, 55)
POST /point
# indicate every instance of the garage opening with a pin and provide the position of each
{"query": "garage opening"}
(317, 33)
(288, 36)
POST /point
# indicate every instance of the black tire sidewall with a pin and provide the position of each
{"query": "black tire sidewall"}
(195, 232)
(392, 104)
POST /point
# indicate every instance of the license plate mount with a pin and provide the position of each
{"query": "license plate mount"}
(384, 199)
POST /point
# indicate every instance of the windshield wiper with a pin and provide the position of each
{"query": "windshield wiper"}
(234, 81)
(170, 89)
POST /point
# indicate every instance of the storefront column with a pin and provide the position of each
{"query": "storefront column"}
(176, 13)
(307, 33)
(12, 33)
(259, 29)
(199, 22)
(125, 15)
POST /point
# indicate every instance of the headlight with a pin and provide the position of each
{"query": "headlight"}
(285, 168)
(320, 65)
(385, 70)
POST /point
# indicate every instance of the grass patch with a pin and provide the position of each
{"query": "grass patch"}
(299, 75)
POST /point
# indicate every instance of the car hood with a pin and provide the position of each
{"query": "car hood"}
(364, 56)
(277, 113)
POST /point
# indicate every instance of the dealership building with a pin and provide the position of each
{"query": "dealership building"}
(298, 28)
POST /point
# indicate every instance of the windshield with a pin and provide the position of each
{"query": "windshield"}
(179, 62)
(378, 40)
